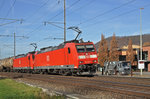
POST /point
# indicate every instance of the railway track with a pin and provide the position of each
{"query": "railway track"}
(128, 86)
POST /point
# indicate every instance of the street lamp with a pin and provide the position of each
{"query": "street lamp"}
(141, 35)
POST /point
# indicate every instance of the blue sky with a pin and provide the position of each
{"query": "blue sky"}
(93, 17)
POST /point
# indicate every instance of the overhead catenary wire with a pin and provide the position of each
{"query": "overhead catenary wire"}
(14, 20)
(36, 29)
(55, 16)
(54, 24)
(12, 36)
(38, 19)
(114, 17)
(86, 4)
(45, 14)
(9, 19)
(62, 11)
(10, 9)
(44, 4)
(54, 38)
(34, 14)
(106, 12)
(8, 23)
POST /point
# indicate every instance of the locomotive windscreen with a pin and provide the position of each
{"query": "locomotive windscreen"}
(89, 48)
(85, 48)
(80, 48)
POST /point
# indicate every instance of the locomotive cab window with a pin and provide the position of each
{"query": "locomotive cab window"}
(89, 48)
(80, 48)
(69, 51)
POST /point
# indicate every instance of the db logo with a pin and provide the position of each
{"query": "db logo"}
(87, 56)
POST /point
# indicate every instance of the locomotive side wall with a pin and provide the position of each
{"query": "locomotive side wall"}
(52, 58)
(21, 62)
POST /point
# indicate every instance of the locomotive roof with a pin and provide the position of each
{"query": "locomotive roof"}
(21, 55)
(51, 48)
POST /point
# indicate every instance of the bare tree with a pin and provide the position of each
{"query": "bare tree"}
(130, 54)
(113, 53)
(103, 51)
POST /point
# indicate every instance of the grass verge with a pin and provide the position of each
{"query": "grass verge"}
(10, 89)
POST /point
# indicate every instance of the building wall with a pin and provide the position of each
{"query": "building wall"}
(123, 53)
(147, 48)
(133, 46)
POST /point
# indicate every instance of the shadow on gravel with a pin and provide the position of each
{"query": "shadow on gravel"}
(17, 76)
(85, 76)
(2, 78)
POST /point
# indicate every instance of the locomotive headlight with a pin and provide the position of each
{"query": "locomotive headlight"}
(93, 56)
(81, 62)
(94, 61)
(81, 57)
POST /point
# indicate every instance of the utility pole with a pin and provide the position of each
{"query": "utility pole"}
(14, 40)
(64, 20)
(64, 23)
(14, 45)
(141, 36)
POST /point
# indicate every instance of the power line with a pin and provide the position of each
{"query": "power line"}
(11, 19)
(62, 11)
(14, 40)
(8, 23)
(45, 14)
(53, 38)
(114, 17)
(54, 24)
(37, 19)
(106, 12)
(51, 18)
(86, 4)
(10, 9)
(37, 9)
(15, 20)
(122, 14)
(73, 4)
(12, 36)
(37, 28)
(111, 18)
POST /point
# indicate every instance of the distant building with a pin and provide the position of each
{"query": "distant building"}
(146, 57)
(136, 48)
(123, 54)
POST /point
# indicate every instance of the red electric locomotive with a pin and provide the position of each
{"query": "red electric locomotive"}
(71, 57)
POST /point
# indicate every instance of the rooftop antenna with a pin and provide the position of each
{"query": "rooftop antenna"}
(77, 30)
